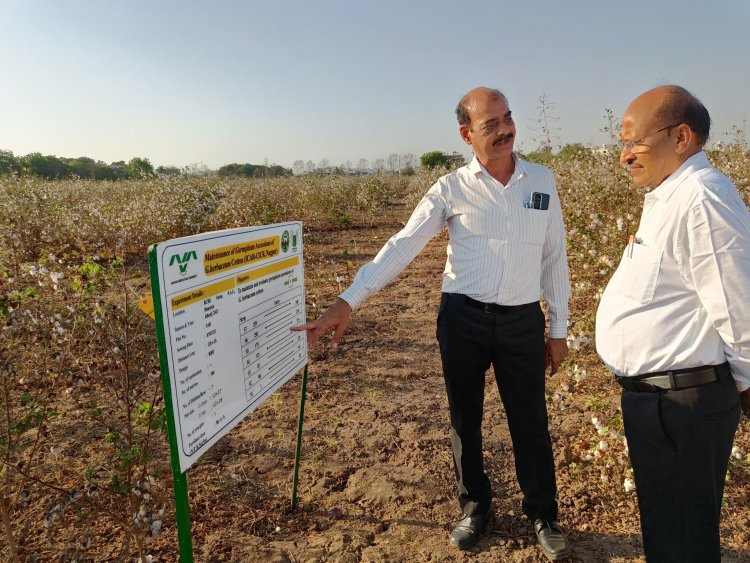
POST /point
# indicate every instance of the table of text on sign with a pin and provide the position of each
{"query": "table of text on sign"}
(266, 339)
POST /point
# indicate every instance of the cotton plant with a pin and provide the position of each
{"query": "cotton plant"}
(578, 342)
(577, 373)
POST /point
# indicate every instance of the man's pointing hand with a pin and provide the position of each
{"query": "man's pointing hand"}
(337, 317)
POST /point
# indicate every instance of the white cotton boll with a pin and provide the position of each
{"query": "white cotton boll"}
(278, 528)
(736, 452)
(603, 446)
(587, 457)
(595, 421)
(155, 528)
(629, 485)
(602, 430)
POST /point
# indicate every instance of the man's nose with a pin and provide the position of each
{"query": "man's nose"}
(626, 157)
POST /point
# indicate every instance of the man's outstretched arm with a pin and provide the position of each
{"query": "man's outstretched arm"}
(337, 317)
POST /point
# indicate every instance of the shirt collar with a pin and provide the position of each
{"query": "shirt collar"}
(476, 168)
(696, 162)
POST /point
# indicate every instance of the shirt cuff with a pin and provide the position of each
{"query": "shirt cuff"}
(558, 329)
(741, 382)
(353, 297)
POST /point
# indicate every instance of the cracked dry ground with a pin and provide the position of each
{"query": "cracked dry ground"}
(376, 480)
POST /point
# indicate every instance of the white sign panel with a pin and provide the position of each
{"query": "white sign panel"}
(228, 299)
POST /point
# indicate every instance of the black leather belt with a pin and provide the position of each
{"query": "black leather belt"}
(675, 379)
(494, 308)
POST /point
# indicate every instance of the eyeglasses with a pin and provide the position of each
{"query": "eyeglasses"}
(630, 145)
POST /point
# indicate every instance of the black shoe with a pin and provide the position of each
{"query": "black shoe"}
(552, 540)
(467, 531)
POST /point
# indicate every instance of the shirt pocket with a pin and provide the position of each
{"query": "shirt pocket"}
(639, 273)
(531, 226)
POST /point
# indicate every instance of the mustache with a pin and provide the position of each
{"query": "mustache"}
(502, 139)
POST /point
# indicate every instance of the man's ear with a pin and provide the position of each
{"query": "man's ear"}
(465, 134)
(685, 138)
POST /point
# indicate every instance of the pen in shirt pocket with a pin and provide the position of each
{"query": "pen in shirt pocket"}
(632, 241)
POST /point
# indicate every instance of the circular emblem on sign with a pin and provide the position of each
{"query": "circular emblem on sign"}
(285, 241)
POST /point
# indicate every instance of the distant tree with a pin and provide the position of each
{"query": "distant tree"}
(103, 171)
(233, 169)
(309, 167)
(168, 171)
(362, 165)
(49, 167)
(277, 171)
(82, 167)
(118, 170)
(378, 165)
(9, 164)
(254, 170)
(435, 159)
(139, 167)
(298, 167)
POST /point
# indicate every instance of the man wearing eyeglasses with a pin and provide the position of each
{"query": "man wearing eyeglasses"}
(673, 325)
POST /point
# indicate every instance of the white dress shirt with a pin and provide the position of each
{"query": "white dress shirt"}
(499, 250)
(680, 297)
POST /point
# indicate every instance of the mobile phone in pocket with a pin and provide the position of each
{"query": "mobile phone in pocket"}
(539, 200)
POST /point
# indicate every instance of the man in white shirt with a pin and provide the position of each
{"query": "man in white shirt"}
(673, 325)
(507, 247)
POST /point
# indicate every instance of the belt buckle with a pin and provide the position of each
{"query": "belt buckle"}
(486, 308)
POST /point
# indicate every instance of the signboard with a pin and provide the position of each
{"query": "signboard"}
(225, 302)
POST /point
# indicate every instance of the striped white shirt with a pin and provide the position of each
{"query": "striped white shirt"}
(499, 251)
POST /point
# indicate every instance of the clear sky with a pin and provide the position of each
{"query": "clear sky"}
(183, 82)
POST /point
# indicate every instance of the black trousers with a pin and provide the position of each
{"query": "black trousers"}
(679, 443)
(470, 341)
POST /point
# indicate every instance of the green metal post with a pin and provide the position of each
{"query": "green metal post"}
(181, 499)
(299, 439)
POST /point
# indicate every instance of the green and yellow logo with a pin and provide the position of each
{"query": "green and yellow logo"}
(183, 260)
(285, 241)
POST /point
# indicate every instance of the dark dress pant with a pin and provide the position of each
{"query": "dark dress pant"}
(470, 341)
(679, 443)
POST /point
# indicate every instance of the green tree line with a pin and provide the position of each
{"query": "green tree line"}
(254, 170)
(52, 167)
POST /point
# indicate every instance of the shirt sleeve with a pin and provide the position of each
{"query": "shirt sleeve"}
(719, 260)
(555, 281)
(427, 220)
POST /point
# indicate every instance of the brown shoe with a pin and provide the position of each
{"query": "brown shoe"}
(552, 540)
